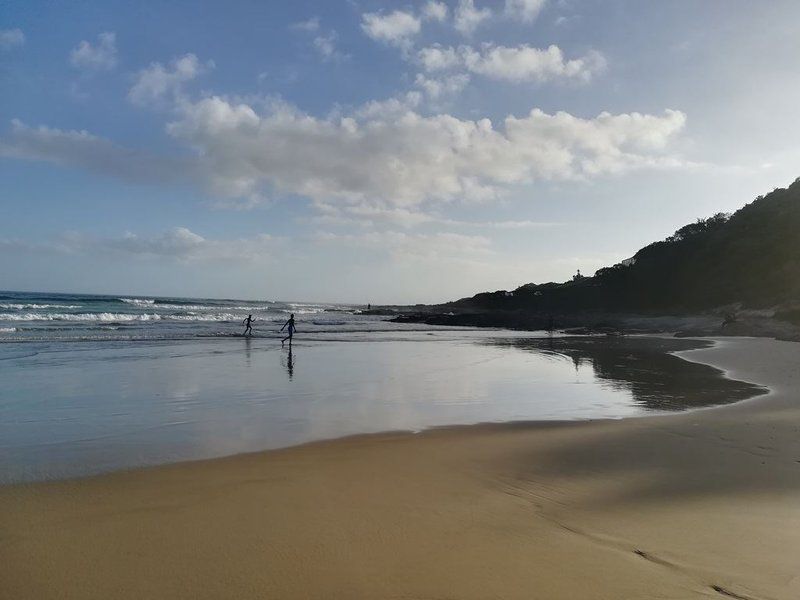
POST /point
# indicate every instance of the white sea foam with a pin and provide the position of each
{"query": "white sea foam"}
(107, 317)
(138, 301)
(205, 317)
(14, 306)
(210, 307)
(7, 329)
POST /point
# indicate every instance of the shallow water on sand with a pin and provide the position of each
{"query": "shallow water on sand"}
(70, 408)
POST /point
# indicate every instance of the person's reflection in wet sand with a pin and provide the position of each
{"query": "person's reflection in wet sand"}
(248, 346)
(290, 363)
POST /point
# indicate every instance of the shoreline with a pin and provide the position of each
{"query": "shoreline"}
(513, 502)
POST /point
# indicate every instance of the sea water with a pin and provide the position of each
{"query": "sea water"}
(80, 317)
(91, 384)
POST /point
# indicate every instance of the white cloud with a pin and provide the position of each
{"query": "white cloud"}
(157, 83)
(394, 28)
(178, 244)
(383, 155)
(525, 10)
(434, 11)
(386, 109)
(310, 25)
(184, 245)
(368, 215)
(100, 57)
(80, 149)
(11, 38)
(517, 64)
(326, 46)
(525, 63)
(408, 158)
(436, 88)
(438, 58)
(467, 18)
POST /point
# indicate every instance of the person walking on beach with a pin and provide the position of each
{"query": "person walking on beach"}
(290, 330)
(248, 330)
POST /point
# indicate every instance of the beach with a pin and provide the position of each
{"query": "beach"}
(701, 504)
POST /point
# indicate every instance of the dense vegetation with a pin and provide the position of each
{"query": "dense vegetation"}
(751, 257)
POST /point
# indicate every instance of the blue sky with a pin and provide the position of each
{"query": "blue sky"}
(370, 151)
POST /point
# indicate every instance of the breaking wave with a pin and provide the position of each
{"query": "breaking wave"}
(107, 317)
(12, 306)
(137, 301)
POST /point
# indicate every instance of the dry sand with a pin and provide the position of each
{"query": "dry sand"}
(697, 505)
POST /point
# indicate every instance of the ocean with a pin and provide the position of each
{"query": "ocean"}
(91, 384)
(26, 316)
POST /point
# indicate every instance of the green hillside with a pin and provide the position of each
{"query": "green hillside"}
(751, 257)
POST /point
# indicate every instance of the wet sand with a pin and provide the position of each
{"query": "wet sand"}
(703, 504)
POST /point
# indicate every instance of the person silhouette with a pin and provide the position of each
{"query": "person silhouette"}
(290, 330)
(248, 330)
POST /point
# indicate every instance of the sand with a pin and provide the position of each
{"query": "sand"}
(696, 505)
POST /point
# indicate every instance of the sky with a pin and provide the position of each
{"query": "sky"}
(373, 151)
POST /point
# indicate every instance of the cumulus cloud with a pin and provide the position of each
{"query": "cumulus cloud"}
(518, 64)
(409, 158)
(434, 11)
(385, 154)
(391, 108)
(467, 17)
(438, 58)
(80, 149)
(525, 10)
(157, 82)
(11, 38)
(525, 63)
(99, 57)
(436, 88)
(395, 28)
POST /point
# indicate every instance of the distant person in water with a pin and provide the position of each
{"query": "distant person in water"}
(248, 330)
(290, 330)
